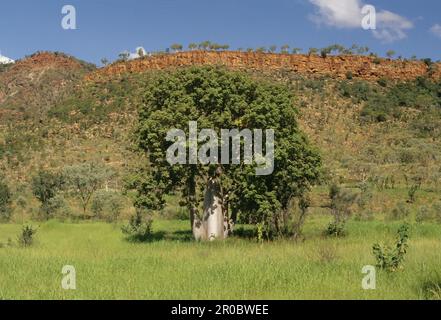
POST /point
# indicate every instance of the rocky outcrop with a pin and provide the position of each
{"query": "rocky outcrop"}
(363, 67)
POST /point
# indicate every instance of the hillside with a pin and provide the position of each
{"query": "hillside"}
(36, 83)
(375, 122)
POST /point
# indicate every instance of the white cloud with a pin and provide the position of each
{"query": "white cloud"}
(436, 30)
(338, 13)
(347, 14)
(391, 26)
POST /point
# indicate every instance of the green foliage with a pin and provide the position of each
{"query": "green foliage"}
(176, 47)
(412, 193)
(358, 91)
(392, 258)
(139, 228)
(217, 98)
(390, 53)
(45, 186)
(83, 180)
(26, 237)
(422, 94)
(5, 200)
(382, 82)
(109, 202)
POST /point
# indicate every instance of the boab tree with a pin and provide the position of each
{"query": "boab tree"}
(219, 193)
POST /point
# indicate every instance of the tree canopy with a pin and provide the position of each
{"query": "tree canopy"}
(220, 99)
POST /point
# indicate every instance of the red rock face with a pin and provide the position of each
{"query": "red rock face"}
(335, 66)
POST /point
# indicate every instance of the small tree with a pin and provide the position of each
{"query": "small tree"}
(176, 47)
(296, 50)
(390, 53)
(84, 180)
(204, 45)
(45, 186)
(284, 48)
(104, 61)
(272, 49)
(192, 46)
(312, 51)
(392, 258)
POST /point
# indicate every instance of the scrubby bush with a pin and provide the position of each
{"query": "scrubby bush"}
(412, 193)
(107, 205)
(21, 202)
(5, 201)
(59, 207)
(391, 258)
(341, 202)
(26, 237)
(400, 212)
(139, 228)
(45, 186)
(423, 214)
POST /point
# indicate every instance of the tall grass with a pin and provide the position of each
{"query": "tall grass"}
(175, 267)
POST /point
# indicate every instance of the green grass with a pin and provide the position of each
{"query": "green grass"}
(172, 266)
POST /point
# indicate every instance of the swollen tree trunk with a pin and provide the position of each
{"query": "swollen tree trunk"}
(213, 224)
(213, 217)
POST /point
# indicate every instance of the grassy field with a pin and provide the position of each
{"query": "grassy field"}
(175, 267)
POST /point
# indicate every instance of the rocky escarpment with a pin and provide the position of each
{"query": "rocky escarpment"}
(368, 68)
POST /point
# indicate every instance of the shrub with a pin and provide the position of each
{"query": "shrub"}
(26, 237)
(107, 201)
(58, 207)
(423, 214)
(21, 202)
(400, 212)
(5, 201)
(139, 228)
(382, 82)
(45, 186)
(392, 258)
(412, 193)
(341, 202)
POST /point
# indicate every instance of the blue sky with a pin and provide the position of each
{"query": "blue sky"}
(108, 27)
